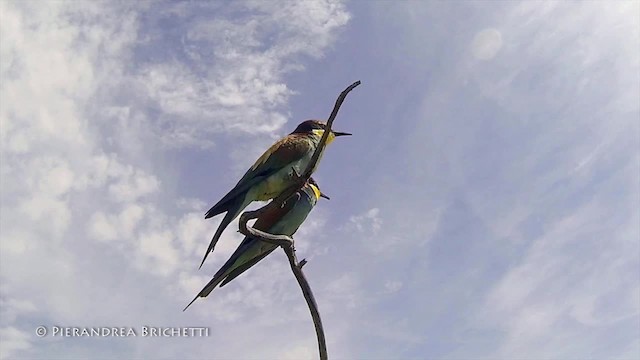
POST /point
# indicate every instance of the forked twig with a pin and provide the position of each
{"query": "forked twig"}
(286, 242)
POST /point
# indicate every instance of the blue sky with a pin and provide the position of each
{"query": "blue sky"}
(485, 208)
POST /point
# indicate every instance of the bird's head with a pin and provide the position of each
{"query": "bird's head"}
(316, 127)
(316, 189)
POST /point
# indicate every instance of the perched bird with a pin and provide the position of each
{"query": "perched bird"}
(284, 220)
(271, 174)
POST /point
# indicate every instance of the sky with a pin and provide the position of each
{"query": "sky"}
(486, 207)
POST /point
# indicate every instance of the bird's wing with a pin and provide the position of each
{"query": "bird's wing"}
(283, 152)
(268, 219)
(264, 223)
(245, 266)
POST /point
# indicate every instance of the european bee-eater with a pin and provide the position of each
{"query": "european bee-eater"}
(283, 220)
(271, 174)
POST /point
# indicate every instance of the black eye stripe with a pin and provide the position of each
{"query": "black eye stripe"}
(309, 125)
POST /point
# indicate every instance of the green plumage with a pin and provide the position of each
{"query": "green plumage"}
(271, 174)
(284, 220)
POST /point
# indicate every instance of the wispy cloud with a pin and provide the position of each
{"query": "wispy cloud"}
(92, 95)
(227, 72)
(517, 177)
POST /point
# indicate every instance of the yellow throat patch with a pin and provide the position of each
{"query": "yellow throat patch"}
(319, 133)
(316, 191)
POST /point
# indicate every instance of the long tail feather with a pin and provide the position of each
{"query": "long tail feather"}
(223, 225)
(217, 278)
(234, 210)
(216, 209)
(237, 271)
(208, 288)
(192, 301)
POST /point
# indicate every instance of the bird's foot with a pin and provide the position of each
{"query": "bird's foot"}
(296, 175)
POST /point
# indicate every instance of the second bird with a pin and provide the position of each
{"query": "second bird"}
(283, 220)
(271, 174)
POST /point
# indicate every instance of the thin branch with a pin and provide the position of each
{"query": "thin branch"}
(323, 140)
(286, 242)
(296, 267)
(308, 296)
(246, 230)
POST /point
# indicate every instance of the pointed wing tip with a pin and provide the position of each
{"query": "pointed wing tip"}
(192, 301)
(209, 250)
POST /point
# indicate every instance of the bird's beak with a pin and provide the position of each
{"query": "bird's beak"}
(324, 196)
(338, 133)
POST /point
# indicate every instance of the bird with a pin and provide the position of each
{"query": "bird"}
(284, 220)
(271, 174)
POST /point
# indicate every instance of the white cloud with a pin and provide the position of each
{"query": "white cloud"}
(105, 227)
(55, 177)
(133, 185)
(486, 44)
(53, 212)
(299, 353)
(343, 291)
(101, 228)
(190, 232)
(392, 286)
(12, 308)
(158, 252)
(233, 75)
(85, 117)
(387, 234)
(369, 222)
(13, 340)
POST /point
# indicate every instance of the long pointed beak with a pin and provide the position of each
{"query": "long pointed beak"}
(338, 133)
(324, 196)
